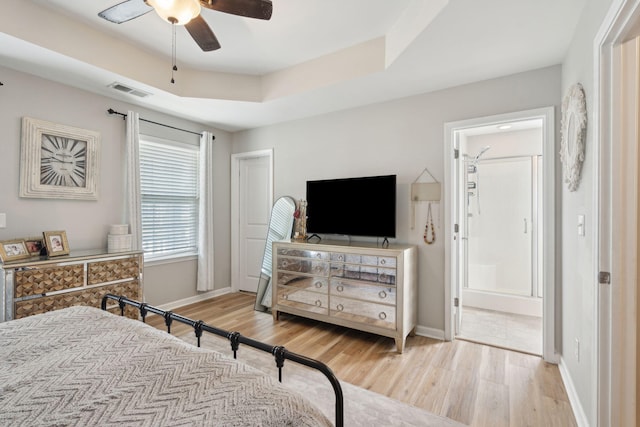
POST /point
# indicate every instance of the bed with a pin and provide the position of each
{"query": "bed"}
(85, 366)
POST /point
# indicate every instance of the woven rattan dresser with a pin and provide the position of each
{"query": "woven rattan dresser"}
(41, 284)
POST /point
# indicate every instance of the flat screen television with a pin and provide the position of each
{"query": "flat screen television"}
(364, 206)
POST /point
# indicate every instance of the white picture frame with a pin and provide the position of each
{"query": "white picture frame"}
(58, 161)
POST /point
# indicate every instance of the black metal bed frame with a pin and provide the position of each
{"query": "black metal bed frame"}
(235, 338)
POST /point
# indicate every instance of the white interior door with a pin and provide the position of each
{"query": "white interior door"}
(254, 207)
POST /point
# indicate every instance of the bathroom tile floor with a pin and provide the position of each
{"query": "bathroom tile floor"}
(505, 330)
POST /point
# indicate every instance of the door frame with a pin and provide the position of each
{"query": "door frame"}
(547, 115)
(616, 385)
(236, 160)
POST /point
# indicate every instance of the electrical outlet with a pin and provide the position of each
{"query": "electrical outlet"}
(576, 350)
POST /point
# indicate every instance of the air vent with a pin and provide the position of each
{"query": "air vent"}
(126, 89)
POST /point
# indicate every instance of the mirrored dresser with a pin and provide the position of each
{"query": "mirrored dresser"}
(359, 286)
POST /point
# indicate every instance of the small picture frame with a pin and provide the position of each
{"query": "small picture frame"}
(13, 249)
(56, 243)
(34, 245)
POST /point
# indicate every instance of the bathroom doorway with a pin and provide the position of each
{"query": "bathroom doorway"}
(501, 299)
(498, 278)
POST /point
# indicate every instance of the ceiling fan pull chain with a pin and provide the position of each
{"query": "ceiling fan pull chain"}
(174, 67)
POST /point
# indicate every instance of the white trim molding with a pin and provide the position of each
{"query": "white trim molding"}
(194, 299)
(451, 129)
(615, 181)
(572, 394)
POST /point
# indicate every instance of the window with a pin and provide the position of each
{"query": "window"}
(169, 198)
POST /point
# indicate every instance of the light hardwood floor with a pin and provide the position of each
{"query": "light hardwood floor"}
(471, 383)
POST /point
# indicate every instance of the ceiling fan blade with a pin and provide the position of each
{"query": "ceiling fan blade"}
(202, 34)
(259, 9)
(125, 11)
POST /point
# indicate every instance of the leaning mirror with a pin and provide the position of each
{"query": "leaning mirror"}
(280, 227)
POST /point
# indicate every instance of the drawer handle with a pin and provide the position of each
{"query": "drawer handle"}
(340, 258)
(339, 288)
(318, 285)
(340, 307)
(285, 297)
(382, 315)
(382, 294)
(383, 277)
(383, 261)
(285, 263)
(318, 303)
(318, 255)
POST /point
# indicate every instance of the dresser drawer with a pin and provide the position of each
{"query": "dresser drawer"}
(38, 281)
(91, 297)
(303, 299)
(298, 265)
(363, 259)
(113, 270)
(316, 284)
(374, 274)
(303, 253)
(341, 288)
(364, 312)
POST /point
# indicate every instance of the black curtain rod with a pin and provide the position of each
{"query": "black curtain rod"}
(112, 111)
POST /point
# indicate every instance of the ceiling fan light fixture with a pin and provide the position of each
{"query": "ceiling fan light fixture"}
(178, 12)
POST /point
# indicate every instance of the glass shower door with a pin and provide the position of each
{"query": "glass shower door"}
(500, 229)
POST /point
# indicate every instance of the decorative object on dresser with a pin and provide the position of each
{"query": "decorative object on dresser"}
(35, 246)
(56, 243)
(58, 161)
(37, 285)
(13, 249)
(359, 286)
(119, 239)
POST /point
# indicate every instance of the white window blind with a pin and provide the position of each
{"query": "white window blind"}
(169, 198)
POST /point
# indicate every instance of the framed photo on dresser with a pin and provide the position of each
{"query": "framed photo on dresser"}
(13, 249)
(56, 243)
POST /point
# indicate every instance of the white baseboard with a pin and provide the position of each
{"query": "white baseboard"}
(578, 410)
(196, 298)
(424, 331)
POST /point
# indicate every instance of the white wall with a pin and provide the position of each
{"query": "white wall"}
(86, 222)
(578, 261)
(399, 137)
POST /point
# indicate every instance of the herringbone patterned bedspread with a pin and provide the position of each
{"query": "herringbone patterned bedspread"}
(82, 366)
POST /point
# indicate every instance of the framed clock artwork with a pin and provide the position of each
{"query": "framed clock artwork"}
(58, 161)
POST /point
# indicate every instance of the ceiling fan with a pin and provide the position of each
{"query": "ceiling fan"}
(187, 13)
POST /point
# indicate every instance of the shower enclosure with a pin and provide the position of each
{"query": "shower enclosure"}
(501, 227)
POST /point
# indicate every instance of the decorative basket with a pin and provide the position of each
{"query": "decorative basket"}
(119, 229)
(118, 243)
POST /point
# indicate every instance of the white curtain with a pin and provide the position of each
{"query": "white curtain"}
(205, 225)
(133, 215)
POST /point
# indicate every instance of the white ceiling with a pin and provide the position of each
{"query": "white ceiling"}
(312, 57)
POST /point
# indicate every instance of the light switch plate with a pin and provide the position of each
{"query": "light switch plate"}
(3, 220)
